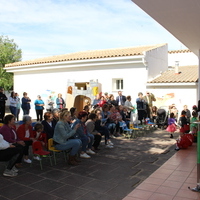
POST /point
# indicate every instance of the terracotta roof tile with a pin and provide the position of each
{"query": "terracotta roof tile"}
(187, 74)
(180, 51)
(85, 55)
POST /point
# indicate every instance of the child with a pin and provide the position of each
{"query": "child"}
(183, 122)
(39, 136)
(193, 127)
(154, 114)
(171, 125)
(182, 142)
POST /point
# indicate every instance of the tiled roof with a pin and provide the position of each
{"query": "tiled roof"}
(85, 55)
(187, 74)
(180, 51)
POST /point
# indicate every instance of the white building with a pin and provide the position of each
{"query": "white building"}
(79, 76)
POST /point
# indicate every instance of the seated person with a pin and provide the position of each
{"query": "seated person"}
(49, 124)
(115, 117)
(25, 133)
(106, 119)
(82, 134)
(9, 134)
(63, 137)
(8, 152)
(101, 128)
(55, 113)
(90, 125)
(39, 135)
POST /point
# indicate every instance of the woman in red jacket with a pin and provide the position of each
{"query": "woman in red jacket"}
(25, 133)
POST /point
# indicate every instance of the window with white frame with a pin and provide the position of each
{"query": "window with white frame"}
(117, 84)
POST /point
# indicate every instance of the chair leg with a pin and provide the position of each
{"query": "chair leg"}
(54, 157)
(41, 163)
(50, 159)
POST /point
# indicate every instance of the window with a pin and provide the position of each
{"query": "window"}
(118, 84)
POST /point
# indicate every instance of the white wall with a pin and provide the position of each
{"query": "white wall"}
(40, 83)
(157, 61)
(183, 96)
(183, 58)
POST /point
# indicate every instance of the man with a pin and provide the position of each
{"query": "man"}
(120, 99)
(149, 98)
(3, 99)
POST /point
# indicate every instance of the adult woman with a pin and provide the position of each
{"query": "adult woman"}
(63, 137)
(39, 107)
(50, 103)
(60, 102)
(128, 104)
(102, 101)
(130, 109)
(81, 133)
(18, 106)
(13, 103)
(101, 128)
(106, 119)
(9, 134)
(49, 124)
(26, 104)
(25, 133)
(73, 114)
(8, 152)
(56, 114)
(90, 124)
(112, 100)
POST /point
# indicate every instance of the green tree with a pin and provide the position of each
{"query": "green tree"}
(9, 53)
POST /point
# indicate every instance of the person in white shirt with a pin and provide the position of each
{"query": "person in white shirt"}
(13, 103)
(8, 152)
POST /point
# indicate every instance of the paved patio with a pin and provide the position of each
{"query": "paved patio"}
(110, 174)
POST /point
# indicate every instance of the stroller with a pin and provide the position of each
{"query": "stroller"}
(162, 117)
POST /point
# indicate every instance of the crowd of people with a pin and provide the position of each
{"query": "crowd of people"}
(185, 125)
(79, 131)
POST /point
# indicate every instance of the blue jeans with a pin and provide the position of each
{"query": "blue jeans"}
(73, 144)
(91, 136)
(13, 110)
(111, 127)
(85, 142)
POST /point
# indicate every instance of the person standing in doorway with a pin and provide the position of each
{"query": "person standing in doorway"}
(120, 99)
(3, 99)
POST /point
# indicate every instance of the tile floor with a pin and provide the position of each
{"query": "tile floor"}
(171, 180)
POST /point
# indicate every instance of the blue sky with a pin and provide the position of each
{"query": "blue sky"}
(52, 27)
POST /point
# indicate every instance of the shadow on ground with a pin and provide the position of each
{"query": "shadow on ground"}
(109, 175)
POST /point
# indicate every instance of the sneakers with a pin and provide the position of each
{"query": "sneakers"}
(89, 151)
(110, 143)
(108, 146)
(10, 173)
(177, 149)
(27, 161)
(36, 158)
(14, 169)
(84, 155)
